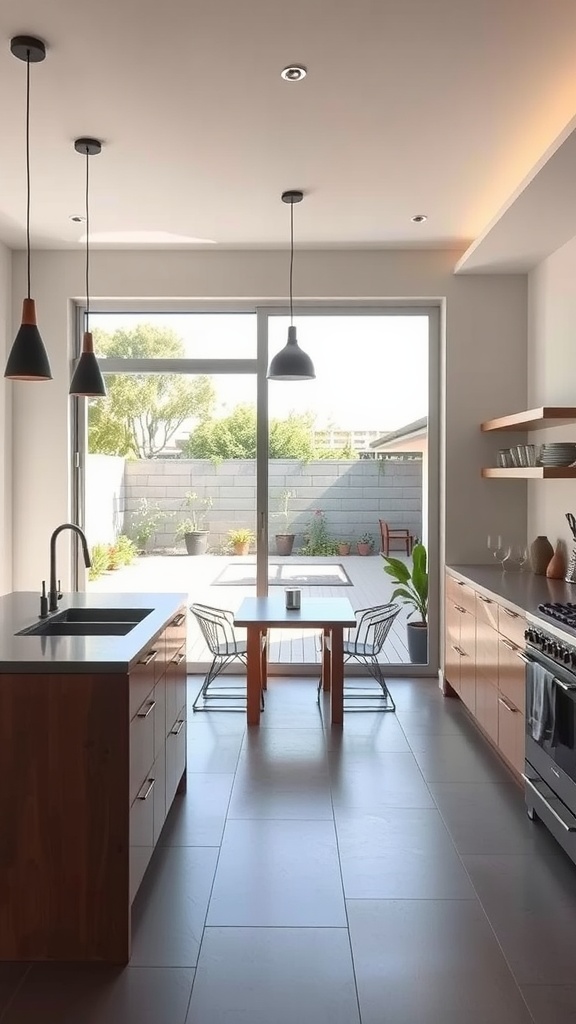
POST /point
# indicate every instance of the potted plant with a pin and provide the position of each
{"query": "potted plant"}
(284, 540)
(413, 590)
(343, 547)
(241, 539)
(365, 544)
(147, 518)
(192, 528)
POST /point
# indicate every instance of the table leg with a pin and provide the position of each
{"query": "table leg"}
(337, 676)
(326, 661)
(253, 669)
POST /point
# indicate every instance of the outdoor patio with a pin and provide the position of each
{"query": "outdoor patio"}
(197, 576)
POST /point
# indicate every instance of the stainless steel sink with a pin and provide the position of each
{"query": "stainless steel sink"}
(88, 622)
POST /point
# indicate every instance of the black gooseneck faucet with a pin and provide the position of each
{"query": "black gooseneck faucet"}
(54, 594)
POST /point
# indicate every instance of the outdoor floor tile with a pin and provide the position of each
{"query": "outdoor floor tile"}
(383, 780)
(278, 975)
(484, 818)
(77, 994)
(278, 874)
(530, 902)
(551, 1004)
(170, 909)
(430, 962)
(401, 854)
(198, 817)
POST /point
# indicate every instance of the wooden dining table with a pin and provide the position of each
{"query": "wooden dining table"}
(330, 614)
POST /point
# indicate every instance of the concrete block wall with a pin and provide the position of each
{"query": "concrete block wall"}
(354, 495)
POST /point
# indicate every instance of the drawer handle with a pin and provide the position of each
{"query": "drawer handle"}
(460, 583)
(178, 727)
(148, 658)
(458, 650)
(150, 705)
(565, 825)
(150, 784)
(511, 647)
(178, 659)
(486, 600)
(513, 615)
(508, 706)
(180, 618)
(459, 608)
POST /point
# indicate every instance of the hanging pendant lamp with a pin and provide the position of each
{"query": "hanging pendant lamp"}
(87, 380)
(291, 363)
(28, 359)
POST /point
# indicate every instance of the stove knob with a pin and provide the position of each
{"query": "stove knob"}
(573, 659)
(567, 656)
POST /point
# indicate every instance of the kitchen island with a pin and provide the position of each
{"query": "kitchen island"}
(92, 753)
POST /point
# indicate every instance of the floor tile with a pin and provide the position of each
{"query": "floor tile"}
(484, 818)
(64, 994)
(365, 732)
(430, 961)
(287, 747)
(209, 748)
(530, 902)
(382, 780)
(198, 817)
(278, 975)
(401, 854)
(434, 718)
(456, 758)
(551, 1004)
(295, 791)
(170, 909)
(278, 874)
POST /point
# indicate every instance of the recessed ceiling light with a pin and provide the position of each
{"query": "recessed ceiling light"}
(419, 218)
(77, 218)
(294, 73)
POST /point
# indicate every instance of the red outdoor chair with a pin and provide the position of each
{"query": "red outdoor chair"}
(399, 534)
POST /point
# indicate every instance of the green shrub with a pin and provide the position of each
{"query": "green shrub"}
(317, 540)
(100, 558)
(126, 549)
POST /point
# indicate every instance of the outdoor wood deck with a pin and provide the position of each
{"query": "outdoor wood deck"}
(196, 575)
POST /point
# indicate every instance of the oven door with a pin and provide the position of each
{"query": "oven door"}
(551, 710)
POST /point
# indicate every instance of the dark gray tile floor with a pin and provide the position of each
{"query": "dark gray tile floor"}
(385, 873)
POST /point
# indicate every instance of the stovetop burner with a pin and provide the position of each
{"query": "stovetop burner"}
(564, 613)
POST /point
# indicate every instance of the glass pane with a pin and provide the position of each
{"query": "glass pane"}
(175, 335)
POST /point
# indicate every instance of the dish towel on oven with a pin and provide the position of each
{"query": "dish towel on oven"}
(541, 711)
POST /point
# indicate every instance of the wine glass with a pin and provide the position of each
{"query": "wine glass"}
(502, 553)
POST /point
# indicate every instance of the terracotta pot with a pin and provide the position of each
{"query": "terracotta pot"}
(242, 549)
(364, 549)
(541, 552)
(556, 568)
(343, 549)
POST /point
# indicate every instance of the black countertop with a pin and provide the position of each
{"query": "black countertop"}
(19, 610)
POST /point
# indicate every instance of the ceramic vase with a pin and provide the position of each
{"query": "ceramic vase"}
(541, 552)
(556, 568)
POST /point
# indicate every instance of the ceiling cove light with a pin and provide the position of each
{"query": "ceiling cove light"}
(87, 380)
(291, 363)
(28, 359)
(294, 73)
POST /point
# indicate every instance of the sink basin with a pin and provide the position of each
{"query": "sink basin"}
(88, 622)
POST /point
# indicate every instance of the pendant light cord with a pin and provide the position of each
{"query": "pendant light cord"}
(87, 207)
(291, 259)
(28, 166)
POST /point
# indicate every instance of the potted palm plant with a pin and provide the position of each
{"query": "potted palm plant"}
(285, 539)
(192, 527)
(412, 590)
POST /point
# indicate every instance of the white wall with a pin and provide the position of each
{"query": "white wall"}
(485, 320)
(5, 423)
(552, 380)
(104, 504)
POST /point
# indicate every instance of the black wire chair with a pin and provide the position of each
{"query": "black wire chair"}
(217, 626)
(363, 644)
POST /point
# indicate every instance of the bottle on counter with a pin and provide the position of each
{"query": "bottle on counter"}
(541, 552)
(556, 568)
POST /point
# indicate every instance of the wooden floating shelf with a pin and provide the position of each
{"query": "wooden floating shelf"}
(530, 473)
(533, 419)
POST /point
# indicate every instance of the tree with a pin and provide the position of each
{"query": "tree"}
(234, 437)
(143, 412)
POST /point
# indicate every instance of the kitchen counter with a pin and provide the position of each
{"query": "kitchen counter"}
(522, 591)
(69, 654)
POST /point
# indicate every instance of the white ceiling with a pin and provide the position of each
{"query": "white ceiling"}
(410, 106)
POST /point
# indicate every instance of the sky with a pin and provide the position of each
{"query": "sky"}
(371, 371)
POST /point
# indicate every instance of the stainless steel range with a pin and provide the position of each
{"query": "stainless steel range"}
(550, 768)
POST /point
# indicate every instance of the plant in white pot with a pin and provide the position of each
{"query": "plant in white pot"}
(412, 590)
(285, 539)
(192, 528)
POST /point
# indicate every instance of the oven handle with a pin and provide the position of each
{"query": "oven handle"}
(560, 820)
(564, 686)
(525, 658)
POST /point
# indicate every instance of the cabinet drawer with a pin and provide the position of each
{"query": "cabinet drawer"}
(511, 673)
(468, 680)
(452, 654)
(511, 625)
(159, 696)
(159, 774)
(176, 629)
(141, 745)
(487, 651)
(511, 733)
(175, 757)
(460, 594)
(487, 706)
(486, 610)
(175, 686)
(160, 659)
(142, 678)
(141, 834)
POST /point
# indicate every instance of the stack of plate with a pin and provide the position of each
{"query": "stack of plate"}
(558, 454)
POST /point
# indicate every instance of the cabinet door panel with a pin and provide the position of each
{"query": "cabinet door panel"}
(160, 716)
(141, 834)
(511, 625)
(141, 745)
(468, 660)
(486, 651)
(142, 678)
(486, 611)
(511, 673)
(452, 656)
(487, 706)
(511, 733)
(159, 773)
(175, 757)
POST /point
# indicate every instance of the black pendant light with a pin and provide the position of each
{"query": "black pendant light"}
(87, 380)
(28, 359)
(291, 363)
